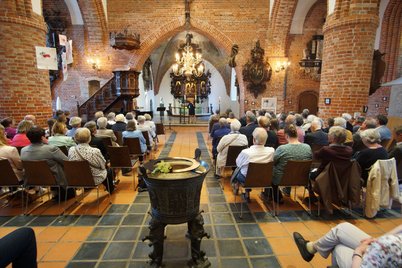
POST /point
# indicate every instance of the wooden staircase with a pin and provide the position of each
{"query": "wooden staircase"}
(120, 89)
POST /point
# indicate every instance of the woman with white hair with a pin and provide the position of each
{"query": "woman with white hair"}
(234, 138)
(75, 123)
(341, 122)
(103, 131)
(374, 151)
(97, 163)
(120, 124)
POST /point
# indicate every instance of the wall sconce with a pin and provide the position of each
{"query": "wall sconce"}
(245, 101)
(384, 98)
(327, 101)
(95, 63)
(281, 65)
(290, 101)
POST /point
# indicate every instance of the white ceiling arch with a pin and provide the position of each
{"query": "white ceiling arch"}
(75, 12)
(301, 11)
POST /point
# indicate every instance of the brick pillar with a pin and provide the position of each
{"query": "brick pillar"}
(24, 88)
(349, 36)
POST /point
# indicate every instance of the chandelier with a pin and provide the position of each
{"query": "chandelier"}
(188, 60)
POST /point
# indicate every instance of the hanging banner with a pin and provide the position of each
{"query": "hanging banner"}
(69, 52)
(46, 58)
(64, 65)
(62, 40)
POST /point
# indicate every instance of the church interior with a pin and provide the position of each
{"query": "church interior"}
(185, 62)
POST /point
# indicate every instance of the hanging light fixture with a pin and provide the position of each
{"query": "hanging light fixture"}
(189, 59)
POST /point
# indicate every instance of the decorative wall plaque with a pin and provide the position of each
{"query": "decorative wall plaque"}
(257, 71)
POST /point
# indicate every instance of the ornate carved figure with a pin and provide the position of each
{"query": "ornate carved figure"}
(377, 71)
(147, 74)
(257, 71)
(232, 59)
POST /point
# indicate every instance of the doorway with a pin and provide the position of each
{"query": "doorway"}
(308, 100)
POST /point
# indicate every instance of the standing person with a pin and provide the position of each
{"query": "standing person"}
(351, 247)
(191, 112)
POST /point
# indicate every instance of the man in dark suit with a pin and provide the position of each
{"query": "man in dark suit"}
(249, 128)
(317, 135)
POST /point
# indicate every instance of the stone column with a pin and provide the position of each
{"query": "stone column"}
(349, 36)
(24, 88)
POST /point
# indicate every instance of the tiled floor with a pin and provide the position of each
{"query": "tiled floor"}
(114, 240)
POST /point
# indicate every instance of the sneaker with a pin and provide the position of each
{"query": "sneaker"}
(302, 246)
(235, 187)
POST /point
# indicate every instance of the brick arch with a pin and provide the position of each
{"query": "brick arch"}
(95, 23)
(173, 27)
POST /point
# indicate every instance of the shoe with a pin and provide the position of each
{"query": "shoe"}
(140, 189)
(235, 187)
(116, 182)
(302, 246)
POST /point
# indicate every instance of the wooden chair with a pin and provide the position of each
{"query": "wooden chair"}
(385, 143)
(233, 153)
(107, 141)
(38, 173)
(296, 173)
(259, 175)
(315, 148)
(78, 175)
(19, 148)
(160, 130)
(134, 147)
(63, 149)
(9, 179)
(119, 137)
(120, 158)
(147, 140)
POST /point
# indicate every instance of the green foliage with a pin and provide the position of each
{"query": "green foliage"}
(162, 167)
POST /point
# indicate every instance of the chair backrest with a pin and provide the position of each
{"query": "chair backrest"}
(64, 149)
(38, 173)
(160, 129)
(7, 175)
(316, 148)
(19, 148)
(296, 173)
(134, 145)
(259, 175)
(146, 136)
(78, 173)
(119, 137)
(107, 141)
(119, 156)
(385, 143)
(233, 153)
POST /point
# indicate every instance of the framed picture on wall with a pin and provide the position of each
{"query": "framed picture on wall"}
(268, 104)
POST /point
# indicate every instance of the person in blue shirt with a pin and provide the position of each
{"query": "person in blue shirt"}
(132, 132)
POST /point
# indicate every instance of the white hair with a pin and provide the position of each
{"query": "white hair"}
(339, 121)
(346, 116)
(235, 125)
(260, 136)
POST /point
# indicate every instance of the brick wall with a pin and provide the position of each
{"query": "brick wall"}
(24, 88)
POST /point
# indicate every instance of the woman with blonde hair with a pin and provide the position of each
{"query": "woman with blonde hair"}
(59, 137)
(11, 154)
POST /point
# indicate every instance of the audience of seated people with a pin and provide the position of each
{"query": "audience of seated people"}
(97, 163)
(272, 140)
(341, 122)
(132, 132)
(251, 125)
(96, 141)
(120, 124)
(317, 135)
(59, 137)
(217, 133)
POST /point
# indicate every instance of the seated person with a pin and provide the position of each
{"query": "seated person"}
(293, 150)
(10, 153)
(290, 120)
(20, 139)
(59, 137)
(272, 140)
(341, 122)
(251, 125)
(351, 247)
(104, 132)
(96, 141)
(9, 128)
(83, 151)
(132, 132)
(234, 138)
(75, 123)
(385, 133)
(120, 124)
(316, 136)
(374, 151)
(357, 140)
(19, 249)
(143, 127)
(217, 134)
(39, 150)
(257, 153)
(396, 152)
(336, 152)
